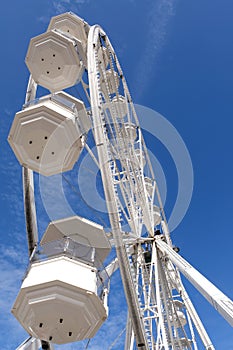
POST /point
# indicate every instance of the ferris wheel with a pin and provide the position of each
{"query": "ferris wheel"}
(64, 296)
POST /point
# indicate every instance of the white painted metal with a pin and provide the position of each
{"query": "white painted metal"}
(112, 79)
(105, 161)
(47, 136)
(58, 301)
(180, 314)
(71, 25)
(64, 269)
(215, 297)
(30, 344)
(192, 314)
(29, 200)
(121, 157)
(82, 118)
(28, 186)
(30, 213)
(157, 215)
(111, 268)
(161, 315)
(129, 337)
(80, 230)
(53, 61)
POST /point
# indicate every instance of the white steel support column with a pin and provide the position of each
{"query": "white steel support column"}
(196, 319)
(161, 341)
(28, 187)
(129, 337)
(215, 297)
(29, 196)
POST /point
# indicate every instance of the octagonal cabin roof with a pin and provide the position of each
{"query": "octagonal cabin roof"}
(80, 230)
(72, 25)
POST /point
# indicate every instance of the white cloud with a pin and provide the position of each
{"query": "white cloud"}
(61, 6)
(158, 22)
(10, 281)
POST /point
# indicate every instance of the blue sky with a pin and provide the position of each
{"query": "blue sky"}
(177, 58)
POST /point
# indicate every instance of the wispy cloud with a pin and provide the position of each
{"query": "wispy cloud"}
(61, 6)
(158, 25)
(10, 281)
(16, 255)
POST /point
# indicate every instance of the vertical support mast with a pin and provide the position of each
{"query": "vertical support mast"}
(29, 202)
(28, 187)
